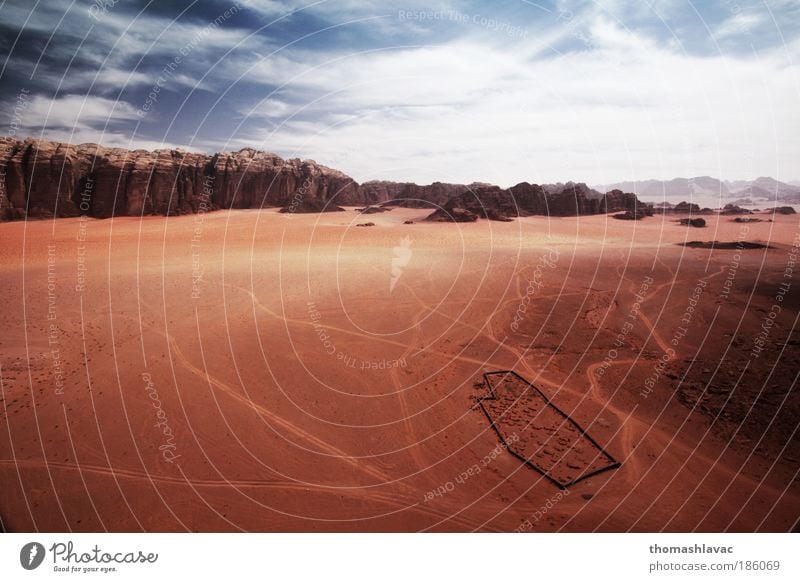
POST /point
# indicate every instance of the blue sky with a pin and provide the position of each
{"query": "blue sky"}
(454, 91)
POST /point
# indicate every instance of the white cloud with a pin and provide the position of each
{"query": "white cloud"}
(480, 107)
(464, 111)
(738, 24)
(623, 9)
(77, 119)
(76, 111)
(106, 78)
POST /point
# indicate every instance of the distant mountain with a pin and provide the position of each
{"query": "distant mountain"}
(737, 185)
(766, 188)
(676, 188)
(763, 188)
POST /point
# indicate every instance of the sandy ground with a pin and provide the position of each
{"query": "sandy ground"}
(248, 370)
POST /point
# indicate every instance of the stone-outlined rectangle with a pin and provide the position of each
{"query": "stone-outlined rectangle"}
(549, 441)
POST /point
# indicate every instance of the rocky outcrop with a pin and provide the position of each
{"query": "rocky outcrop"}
(453, 215)
(639, 214)
(374, 209)
(576, 187)
(410, 195)
(733, 209)
(525, 199)
(741, 245)
(310, 206)
(40, 178)
(45, 179)
(686, 207)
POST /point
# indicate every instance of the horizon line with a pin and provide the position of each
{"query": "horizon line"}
(596, 185)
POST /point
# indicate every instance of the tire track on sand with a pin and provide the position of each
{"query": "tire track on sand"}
(278, 420)
(224, 483)
(324, 445)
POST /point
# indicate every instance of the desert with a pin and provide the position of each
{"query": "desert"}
(313, 269)
(252, 370)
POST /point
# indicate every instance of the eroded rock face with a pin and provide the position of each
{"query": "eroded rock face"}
(452, 215)
(410, 195)
(45, 179)
(40, 178)
(525, 199)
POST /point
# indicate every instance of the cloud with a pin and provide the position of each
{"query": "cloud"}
(105, 78)
(80, 119)
(739, 24)
(121, 46)
(76, 111)
(471, 111)
(599, 91)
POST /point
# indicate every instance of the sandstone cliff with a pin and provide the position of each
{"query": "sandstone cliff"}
(40, 178)
(43, 179)
(411, 195)
(525, 199)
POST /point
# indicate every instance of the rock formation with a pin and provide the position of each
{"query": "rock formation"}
(695, 222)
(44, 179)
(374, 209)
(410, 195)
(733, 209)
(639, 214)
(728, 246)
(453, 214)
(40, 178)
(525, 199)
(687, 207)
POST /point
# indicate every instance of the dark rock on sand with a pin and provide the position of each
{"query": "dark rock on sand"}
(374, 209)
(310, 205)
(495, 203)
(639, 214)
(453, 215)
(733, 209)
(684, 207)
(717, 245)
(695, 222)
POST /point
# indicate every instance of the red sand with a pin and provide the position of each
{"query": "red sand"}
(248, 370)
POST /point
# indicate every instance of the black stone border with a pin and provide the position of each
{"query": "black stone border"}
(614, 464)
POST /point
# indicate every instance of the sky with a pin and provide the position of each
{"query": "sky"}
(491, 91)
